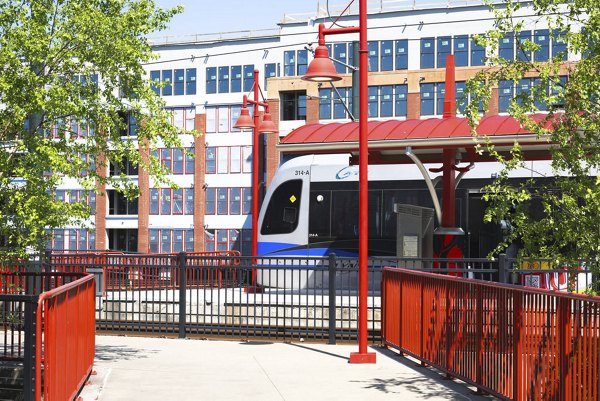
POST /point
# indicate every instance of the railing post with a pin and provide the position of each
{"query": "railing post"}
(517, 346)
(564, 339)
(29, 352)
(332, 300)
(182, 293)
(502, 268)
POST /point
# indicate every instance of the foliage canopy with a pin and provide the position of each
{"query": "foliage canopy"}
(70, 71)
(557, 217)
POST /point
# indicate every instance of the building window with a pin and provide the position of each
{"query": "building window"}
(373, 49)
(167, 78)
(154, 201)
(340, 54)
(523, 37)
(155, 79)
(387, 55)
(461, 100)
(210, 201)
(178, 161)
(211, 80)
(235, 200)
(179, 83)
(118, 204)
(211, 160)
(402, 54)
(189, 201)
(339, 111)
(559, 44)
(461, 50)
(505, 94)
(386, 104)
(427, 99)
(248, 77)
(523, 90)
(373, 101)
(302, 62)
(325, 103)
(246, 200)
(293, 105)
(441, 94)
(124, 166)
(542, 39)
(190, 81)
(506, 47)
(165, 241)
(444, 47)
(223, 79)
(223, 114)
(477, 53)
(427, 52)
(165, 201)
(289, 63)
(401, 100)
(247, 159)
(236, 78)
(222, 201)
(271, 71)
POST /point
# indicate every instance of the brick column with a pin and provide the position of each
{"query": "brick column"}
(199, 174)
(413, 106)
(144, 199)
(272, 154)
(312, 110)
(101, 205)
(494, 104)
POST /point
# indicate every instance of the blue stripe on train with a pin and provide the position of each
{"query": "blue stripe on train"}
(287, 249)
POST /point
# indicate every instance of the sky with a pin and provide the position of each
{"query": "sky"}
(207, 16)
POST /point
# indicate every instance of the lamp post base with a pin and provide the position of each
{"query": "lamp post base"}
(367, 357)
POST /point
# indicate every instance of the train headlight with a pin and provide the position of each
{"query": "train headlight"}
(320, 198)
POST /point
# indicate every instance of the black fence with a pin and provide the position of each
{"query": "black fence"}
(283, 299)
(20, 287)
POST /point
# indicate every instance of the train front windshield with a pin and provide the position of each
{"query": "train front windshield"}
(283, 211)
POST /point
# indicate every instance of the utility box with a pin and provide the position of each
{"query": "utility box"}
(414, 231)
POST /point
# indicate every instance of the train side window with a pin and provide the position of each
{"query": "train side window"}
(282, 213)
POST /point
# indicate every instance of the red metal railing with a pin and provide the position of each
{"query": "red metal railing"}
(146, 271)
(513, 342)
(65, 323)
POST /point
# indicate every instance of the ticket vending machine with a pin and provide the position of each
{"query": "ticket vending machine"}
(414, 232)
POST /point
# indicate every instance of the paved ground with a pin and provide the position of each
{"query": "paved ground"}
(148, 369)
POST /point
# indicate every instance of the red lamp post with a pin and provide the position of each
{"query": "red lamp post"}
(267, 126)
(321, 69)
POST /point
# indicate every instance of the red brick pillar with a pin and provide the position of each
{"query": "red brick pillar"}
(312, 110)
(494, 104)
(144, 199)
(272, 154)
(199, 174)
(101, 205)
(413, 106)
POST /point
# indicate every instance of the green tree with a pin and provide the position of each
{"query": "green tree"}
(566, 225)
(69, 65)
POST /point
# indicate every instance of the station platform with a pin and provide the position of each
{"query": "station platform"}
(164, 369)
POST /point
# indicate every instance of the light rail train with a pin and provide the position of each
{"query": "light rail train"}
(311, 209)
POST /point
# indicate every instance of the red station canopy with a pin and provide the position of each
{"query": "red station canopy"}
(428, 138)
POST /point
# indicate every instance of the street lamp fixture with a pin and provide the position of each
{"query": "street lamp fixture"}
(267, 126)
(321, 69)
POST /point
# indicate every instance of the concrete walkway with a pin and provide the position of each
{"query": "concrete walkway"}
(148, 369)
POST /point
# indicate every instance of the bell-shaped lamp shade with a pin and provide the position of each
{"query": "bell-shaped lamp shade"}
(244, 120)
(267, 126)
(321, 69)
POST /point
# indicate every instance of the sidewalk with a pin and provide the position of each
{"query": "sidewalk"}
(138, 368)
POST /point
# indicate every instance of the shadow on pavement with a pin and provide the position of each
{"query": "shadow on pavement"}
(421, 386)
(116, 353)
(319, 351)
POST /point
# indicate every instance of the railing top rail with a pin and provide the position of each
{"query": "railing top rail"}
(488, 284)
(65, 287)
